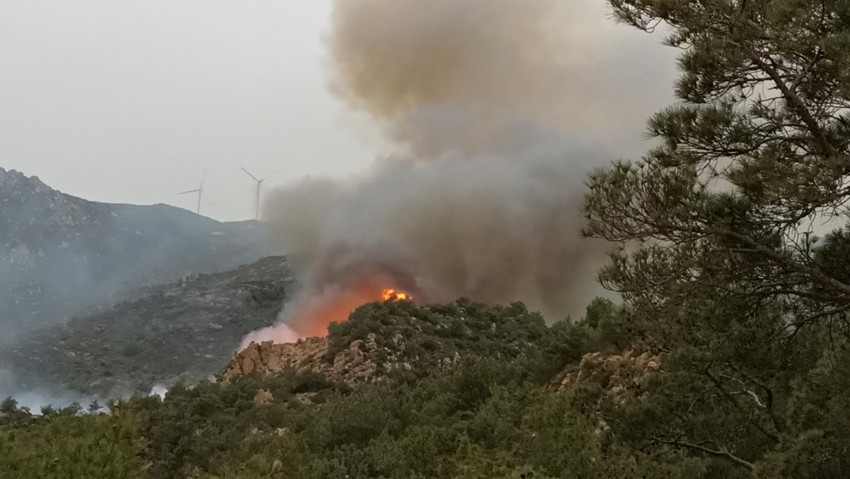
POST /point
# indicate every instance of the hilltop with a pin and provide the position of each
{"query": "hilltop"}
(398, 337)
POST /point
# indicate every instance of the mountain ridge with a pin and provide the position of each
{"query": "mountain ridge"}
(60, 254)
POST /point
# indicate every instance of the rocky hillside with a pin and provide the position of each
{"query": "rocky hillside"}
(617, 374)
(268, 359)
(422, 339)
(445, 391)
(184, 330)
(60, 254)
(397, 337)
(359, 362)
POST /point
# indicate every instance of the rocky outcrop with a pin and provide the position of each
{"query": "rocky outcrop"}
(268, 358)
(616, 373)
(263, 397)
(359, 362)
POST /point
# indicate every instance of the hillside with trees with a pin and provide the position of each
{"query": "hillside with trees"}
(726, 359)
(511, 401)
(733, 236)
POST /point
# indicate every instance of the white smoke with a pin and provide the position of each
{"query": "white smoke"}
(278, 334)
(34, 397)
(159, 391)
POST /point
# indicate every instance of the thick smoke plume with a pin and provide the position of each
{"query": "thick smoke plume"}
(457, 75)
(484, 101)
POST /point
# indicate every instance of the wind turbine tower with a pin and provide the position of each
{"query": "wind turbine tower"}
(199, 190)
(259, 188)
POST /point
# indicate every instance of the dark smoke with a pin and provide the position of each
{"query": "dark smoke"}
(492, 229)
(492, 110)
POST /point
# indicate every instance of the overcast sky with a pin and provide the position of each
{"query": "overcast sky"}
(133, 101)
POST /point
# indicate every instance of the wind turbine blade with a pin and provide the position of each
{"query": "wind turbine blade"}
(273, 174)
(249, 174)
(187, 192)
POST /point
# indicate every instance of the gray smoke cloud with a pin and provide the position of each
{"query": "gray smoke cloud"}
(492, 114)
(493, 229)
(448, 74)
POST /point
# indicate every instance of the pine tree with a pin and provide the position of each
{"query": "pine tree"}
(718, 224)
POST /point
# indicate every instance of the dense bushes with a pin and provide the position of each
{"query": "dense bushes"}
(463, 326)
(484, 419)
(488, 415)
(492, 413)
(67, 446)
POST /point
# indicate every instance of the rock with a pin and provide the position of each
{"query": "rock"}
(619, 374)
(416, 338)
(263, 397)
(356, 363)
(268, 358)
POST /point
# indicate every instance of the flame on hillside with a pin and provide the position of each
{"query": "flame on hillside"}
(316, 313)
(480, 193)
(314, 317)
(390, 295)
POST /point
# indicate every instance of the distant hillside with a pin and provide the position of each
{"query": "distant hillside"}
(185, 330)
(60, 254)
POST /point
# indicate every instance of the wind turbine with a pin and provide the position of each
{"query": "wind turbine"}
(259, 187)
(199, 190)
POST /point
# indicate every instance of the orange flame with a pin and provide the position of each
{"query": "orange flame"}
(315, 314)
(393, 295)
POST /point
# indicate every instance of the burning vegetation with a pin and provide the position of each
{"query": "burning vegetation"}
(315, 313)
(480, 193)
(390, 295)
(314, 318)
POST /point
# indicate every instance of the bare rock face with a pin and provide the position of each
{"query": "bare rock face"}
(268, 358)
(358, 363)
(617, 373)
(263, 397)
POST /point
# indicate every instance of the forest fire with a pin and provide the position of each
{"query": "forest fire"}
(314, 316)
(316, 312)
(390, 295)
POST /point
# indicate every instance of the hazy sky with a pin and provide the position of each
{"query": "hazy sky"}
(132, 101)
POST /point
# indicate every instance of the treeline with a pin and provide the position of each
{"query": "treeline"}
(533, 411)
(492, 414)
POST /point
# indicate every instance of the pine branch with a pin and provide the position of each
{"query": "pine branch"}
(721, 451)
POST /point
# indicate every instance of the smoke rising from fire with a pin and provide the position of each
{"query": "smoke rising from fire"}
(492, 229)
(449, 74)
(492, 116)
